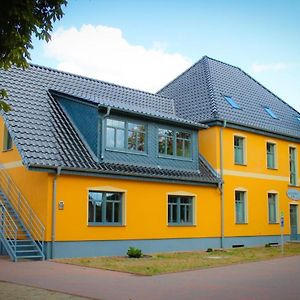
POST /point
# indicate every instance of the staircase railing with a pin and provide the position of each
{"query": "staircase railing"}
(8, 231)
(29, 218)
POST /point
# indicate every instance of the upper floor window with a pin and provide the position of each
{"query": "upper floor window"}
(272, 207)
(105, 208)
(293, 169)
(240, 207)
(239, 150)
(7, 140)
(125, 135)
(271, 155)
(180, 210)
(172, 142)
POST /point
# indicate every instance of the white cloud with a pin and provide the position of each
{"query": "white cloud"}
(259, 68)
(102, 52)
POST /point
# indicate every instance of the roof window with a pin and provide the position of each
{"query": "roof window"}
(270, 112)
(232, 102)
(298, 118)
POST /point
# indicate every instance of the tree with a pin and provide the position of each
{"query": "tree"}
(19, 20)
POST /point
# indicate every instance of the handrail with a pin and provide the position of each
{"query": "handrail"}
(29, 218)
(8, 229)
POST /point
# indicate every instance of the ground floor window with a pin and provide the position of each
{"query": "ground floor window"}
(105, 208)
(240, 207)
(180, 210)
(272, 205)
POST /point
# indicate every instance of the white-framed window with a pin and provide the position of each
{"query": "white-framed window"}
(239, 150)
(180, 210)
(240, 202)
(271, 155)
(105, 208)
(125, 135)
(293, 165)
(273, 207)
(175, 143)
(7, 140)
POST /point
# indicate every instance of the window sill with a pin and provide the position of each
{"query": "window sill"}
(143, 153)
(181, 225)
(293, 186)
(105, 225)
(7, 150)
(174, 157)
(242, 164)
(244, 223)
(273, 169)
(273, 223)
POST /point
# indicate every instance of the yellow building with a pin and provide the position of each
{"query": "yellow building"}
(91, 168)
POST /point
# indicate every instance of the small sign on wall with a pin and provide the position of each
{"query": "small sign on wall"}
(61, 205)
(293, 194)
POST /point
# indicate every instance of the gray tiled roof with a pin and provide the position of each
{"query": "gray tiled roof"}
(199, 96)
(46, 138)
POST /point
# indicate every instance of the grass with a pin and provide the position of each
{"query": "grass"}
(161, 263)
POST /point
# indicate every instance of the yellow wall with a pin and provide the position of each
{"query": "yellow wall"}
(253, 177)
(33, 185)
(145, 210)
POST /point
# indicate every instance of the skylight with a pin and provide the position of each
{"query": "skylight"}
(270, 112)
(232, 102)
(298, 119)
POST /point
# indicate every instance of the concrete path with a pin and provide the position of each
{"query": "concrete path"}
(273, 279)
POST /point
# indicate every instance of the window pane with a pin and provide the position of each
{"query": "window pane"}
(179, 147)
(270, 156)
(117, 215)
(162, 145)
(170, 146)
(91, 216)
(120, 138)
(238, 150)
(187, 148)
(131, 140)
(95, 206)
(141, 142)
(292, 153)
(240, 206)
(109, 212)
(110, 137)
(136, 137)
(98, 206)
(272, 208)
(180, 209)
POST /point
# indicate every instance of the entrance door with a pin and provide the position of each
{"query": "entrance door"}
(294, 221)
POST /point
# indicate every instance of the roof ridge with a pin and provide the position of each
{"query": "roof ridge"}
(210, 87)
(98, 80)
(233, 66)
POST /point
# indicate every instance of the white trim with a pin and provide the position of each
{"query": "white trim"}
(254, 175)
(244, 137)
(11, 165)
(109, 189)
(194, 204)
(276, 204)
(241, 189)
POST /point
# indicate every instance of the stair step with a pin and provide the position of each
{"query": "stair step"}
(29, 256)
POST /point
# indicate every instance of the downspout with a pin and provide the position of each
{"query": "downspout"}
(103, 132)
(58, 171)
(221, 185)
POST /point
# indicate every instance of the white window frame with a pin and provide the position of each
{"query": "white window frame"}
(6, 136)
(275, 155)
(296, 165)
(244, 163)
(245, 191)
(276, 206)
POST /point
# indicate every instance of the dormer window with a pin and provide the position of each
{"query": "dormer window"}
(175, 143)
(232, 102)
(270, 112)
(125, 135)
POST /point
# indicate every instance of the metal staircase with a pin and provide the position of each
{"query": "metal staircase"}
(21, 231)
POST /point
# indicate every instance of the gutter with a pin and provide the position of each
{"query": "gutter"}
(53, 231)
(221, 184)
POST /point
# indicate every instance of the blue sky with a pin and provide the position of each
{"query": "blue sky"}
(157, 40)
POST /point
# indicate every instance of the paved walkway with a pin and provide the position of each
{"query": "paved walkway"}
(273, 279)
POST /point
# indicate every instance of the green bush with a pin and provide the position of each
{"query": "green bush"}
(133, 252)
(209, 250)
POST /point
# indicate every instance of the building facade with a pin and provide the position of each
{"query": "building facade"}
(102, 167)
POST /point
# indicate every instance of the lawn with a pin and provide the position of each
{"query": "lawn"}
(161, 263)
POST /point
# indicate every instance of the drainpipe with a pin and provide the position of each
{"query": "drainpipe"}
(221, 185)
(58, 171)
(103, 132)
